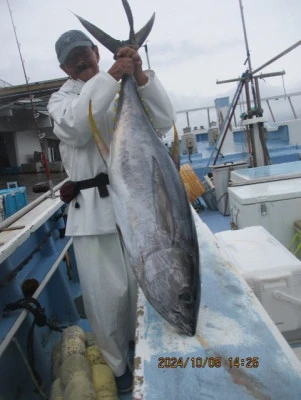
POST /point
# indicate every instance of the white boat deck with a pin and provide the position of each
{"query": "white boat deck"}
(232, 324)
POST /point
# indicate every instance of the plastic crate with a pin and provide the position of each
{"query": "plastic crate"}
(13, 200)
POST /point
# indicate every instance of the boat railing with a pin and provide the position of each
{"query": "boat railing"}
(20, 319)
(10, 220)
(195, 113)
(37, 263)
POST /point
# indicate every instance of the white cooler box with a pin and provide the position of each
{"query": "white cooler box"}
(266, 173)
(274, 205)
(272, 272)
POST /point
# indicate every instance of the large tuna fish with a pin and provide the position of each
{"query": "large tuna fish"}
(152, 210)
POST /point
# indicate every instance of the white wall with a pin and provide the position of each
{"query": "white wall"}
(294, 128)
(26, 144)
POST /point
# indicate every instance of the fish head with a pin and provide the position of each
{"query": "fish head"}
(173, 283)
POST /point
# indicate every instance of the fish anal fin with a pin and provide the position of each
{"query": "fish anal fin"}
(100, 144)
(162, 203)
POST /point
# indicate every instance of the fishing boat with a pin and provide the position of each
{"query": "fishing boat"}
(238, 351)
(37, 263)
(37, 260)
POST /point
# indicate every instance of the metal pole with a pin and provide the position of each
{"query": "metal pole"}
(187, 118)
(228, 122)
(208, 115)
(248, 53)
(268, 103)
(261, 76)
(277, 57)
(234, 116)
(147, 58)
(248, 97)
(258, 96)
(289, 99)
(245, 35)
(249, 129)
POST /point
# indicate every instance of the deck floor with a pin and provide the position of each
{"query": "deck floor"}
(215, 221)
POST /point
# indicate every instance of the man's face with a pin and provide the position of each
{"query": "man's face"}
(82, 63)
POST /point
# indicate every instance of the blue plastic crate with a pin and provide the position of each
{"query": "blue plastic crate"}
(13, 200)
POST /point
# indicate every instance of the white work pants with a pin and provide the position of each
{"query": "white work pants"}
(109, 290)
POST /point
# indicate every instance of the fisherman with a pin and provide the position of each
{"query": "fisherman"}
(108, 285)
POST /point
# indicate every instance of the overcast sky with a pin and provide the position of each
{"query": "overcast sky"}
(193, 42)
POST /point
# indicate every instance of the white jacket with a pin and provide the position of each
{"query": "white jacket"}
(69, 109)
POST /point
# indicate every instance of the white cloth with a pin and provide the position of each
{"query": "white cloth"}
(109, 291)
(69, 109)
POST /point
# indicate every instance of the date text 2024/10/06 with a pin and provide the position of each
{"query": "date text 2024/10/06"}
(211, 362)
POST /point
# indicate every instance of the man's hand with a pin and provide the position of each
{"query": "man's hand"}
(128, 62)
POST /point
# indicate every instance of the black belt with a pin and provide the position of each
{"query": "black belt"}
(100, 181)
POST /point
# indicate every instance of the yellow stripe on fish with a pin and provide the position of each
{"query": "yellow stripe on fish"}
(100, 144)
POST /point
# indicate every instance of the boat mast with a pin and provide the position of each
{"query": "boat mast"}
(255, 130)
(248, 53)
(253, 120)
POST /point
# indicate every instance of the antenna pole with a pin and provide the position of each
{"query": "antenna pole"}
(248, 56)
(35, 115)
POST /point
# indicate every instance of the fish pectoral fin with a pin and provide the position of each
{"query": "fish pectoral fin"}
(100, 144)
(162, 203)
(175, 149)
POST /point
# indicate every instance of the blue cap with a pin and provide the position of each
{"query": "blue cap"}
(68, 41)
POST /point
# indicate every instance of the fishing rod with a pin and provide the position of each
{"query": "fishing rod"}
(34, 113)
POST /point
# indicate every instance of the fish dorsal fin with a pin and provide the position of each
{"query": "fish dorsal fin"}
(175, 149)
(162, 201)
(100, 143)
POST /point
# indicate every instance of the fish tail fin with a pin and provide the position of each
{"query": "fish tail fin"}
(138, 38)
(141, 36)
(175, 149)
(100, 144)
(106, 40)
(130, 18)
(113, 44)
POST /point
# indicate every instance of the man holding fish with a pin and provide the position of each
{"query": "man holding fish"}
(108, 285)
